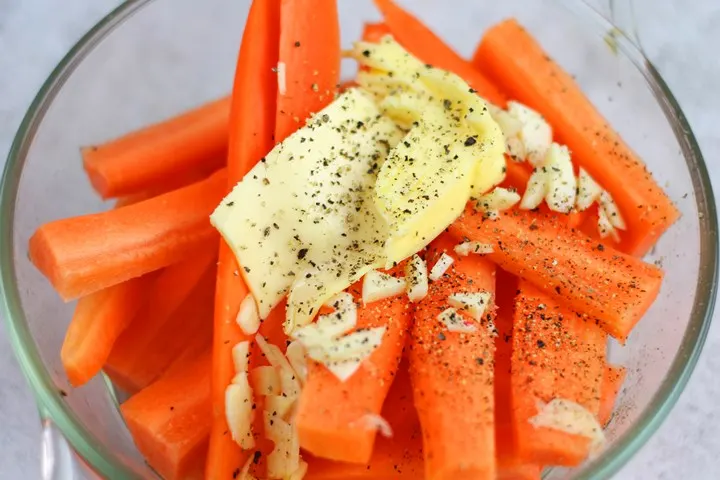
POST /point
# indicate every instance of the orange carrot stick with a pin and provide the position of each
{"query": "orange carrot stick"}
(170, 421)
(424, 44)
(613, 378)
(515, 61)
(177, 315)
(81, 255)
(556, 354)
(97, 322)
(398, 457)
(144, 159)
(310, 58)
(330, 417)
(604, 285)
(452, 372)
(252, 125)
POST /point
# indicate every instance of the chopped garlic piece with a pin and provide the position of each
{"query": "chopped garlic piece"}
(282, 78)
(440, 267)
(496, 201)
(238, 411)
(611, 210)
(266, 380)
(379, 286)
(289, 383)
(417, 278)
(535, 190)
(473, 303)
(588, 191)
(357, 345)
(570, 417)
(455, 322)
(295, 354)
(605, 227)
(332, 325)
(561, 186)
(511, 128)
(248, 318)
(466, 248)
(372, 421)
(279, 405)
(344, 370)
(284, 460)
(273, 355)
(536, 134)
(240, 355)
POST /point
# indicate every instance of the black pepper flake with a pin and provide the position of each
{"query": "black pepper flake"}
(247, 269)
(441, 336)
(229, 204)
(172, 408)
(540, 344)
(601, 247)
(479, 361)
(297, 44)
(236, 473)
(302, 252)
(256, 456)
(470, 141)
(366, 53)
(533, 227)
(63, 393)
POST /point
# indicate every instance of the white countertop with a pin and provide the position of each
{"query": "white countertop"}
(680, 37)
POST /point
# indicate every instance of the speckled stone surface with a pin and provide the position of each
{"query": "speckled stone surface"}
(680, 37)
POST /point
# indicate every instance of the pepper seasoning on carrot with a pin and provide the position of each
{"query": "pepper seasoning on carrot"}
(452, 371)
(515, 61)
(596, 281)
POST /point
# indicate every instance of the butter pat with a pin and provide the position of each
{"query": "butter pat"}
(305, 214)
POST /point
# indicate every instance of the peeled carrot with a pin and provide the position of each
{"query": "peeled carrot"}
(399, 456)
(177, 315)
(170, 421)
(613, 378)
(424, 44)
(556, 354)
(252, 126)
(310, 58)
(602, 284)
(373, 32)
(510, 465)
(146, 158)
(81, 255)
(97, 322)
(330, 418)
(452, 373)
(515, 61)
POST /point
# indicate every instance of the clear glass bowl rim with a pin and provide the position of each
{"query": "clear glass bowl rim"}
(50, 400)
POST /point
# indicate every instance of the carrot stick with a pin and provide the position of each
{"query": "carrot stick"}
(81, 255)
(517, 175)
(556, 354)
(252, 125)
(177, 317)
(330, 417)
(373, 32)
(144, 159)
(510, 465)
(310, 57)
(452, 372)
(602, 284)
(97, 322)
(170, 421)
(424, 44)
(392, 458)
(515, 61)
(613, 378)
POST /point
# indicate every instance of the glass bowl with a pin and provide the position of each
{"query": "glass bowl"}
(149, 59)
